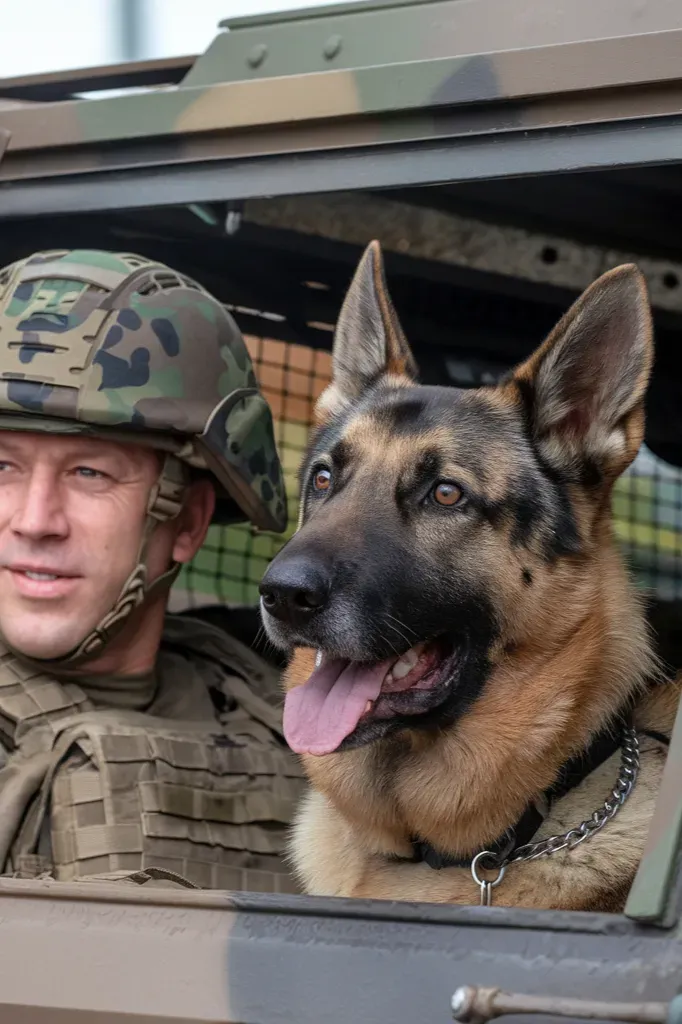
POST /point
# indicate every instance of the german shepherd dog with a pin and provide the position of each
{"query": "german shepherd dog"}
(468, 651)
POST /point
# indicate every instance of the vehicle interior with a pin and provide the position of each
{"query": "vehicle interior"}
(480, 272)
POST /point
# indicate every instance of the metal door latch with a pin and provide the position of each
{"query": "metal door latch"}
(473, 1005)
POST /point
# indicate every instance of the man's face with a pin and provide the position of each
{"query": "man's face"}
(71, 518)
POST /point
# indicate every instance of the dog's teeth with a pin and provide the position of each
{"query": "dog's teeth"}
(405, 665)
(318, 659)
(368, 707)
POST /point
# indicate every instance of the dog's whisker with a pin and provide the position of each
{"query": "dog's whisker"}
(400, 634)
(385, 640)
(261, 636)
(402, 624)
(399, 631)
(263, 641)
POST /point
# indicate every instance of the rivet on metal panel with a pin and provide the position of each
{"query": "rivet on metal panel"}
(332, 47)
(257, 55)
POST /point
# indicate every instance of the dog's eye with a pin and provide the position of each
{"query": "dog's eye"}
(322, 479)
(447, 494)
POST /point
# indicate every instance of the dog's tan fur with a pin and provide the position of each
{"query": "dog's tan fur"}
(572, 649)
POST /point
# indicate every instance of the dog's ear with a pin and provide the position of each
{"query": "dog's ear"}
(584, 387)
(368, 341)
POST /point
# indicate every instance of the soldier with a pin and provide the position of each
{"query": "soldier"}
(135, 744)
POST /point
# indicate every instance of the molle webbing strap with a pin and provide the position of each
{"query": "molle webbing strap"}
(30, 698)
(32, 706)
(205, 793)
(58, 270)
(130, 791)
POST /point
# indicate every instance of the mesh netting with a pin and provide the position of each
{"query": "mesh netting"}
(647, 508)
(647, 502)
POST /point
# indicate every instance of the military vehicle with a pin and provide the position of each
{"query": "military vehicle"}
(504, 153)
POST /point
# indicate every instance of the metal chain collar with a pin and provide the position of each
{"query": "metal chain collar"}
(627, 776)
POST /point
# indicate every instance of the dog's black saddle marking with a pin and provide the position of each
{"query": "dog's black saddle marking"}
(571, 774)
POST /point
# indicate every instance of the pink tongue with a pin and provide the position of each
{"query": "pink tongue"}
(320, 714)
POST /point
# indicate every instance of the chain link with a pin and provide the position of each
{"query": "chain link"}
(627, 776)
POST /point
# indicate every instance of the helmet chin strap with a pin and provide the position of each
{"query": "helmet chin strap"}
(164, 503)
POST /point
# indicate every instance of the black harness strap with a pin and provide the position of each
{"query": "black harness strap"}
(658, 736)
(522, 833)
(570, 775)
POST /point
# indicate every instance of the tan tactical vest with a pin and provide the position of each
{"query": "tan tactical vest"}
(201, 785)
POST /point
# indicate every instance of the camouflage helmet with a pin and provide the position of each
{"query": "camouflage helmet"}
(115, 344)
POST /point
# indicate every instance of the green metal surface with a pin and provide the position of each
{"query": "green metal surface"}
(321, 11)
(302, 99)
(354, 36)
(358, 76)
(296, 42)
(650, 895)
(363, 74)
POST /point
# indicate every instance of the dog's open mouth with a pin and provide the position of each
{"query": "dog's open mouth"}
(342, 695)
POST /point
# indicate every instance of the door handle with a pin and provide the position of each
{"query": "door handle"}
(476, 1005)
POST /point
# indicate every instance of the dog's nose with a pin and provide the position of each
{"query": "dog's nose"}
(294, 590)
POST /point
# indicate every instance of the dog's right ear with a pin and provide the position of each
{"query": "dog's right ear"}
(368, 341)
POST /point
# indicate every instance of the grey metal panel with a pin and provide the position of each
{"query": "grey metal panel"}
(106, 951)
(518, 153)
(449, 238)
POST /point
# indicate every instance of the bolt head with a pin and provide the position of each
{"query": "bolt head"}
(332, 47)
(257, 55)
(461, 1001)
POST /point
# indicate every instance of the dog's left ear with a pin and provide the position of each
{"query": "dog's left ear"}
(368, 341)
(584, 387)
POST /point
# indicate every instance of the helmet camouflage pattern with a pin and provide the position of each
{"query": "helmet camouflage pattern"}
(114, 344)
